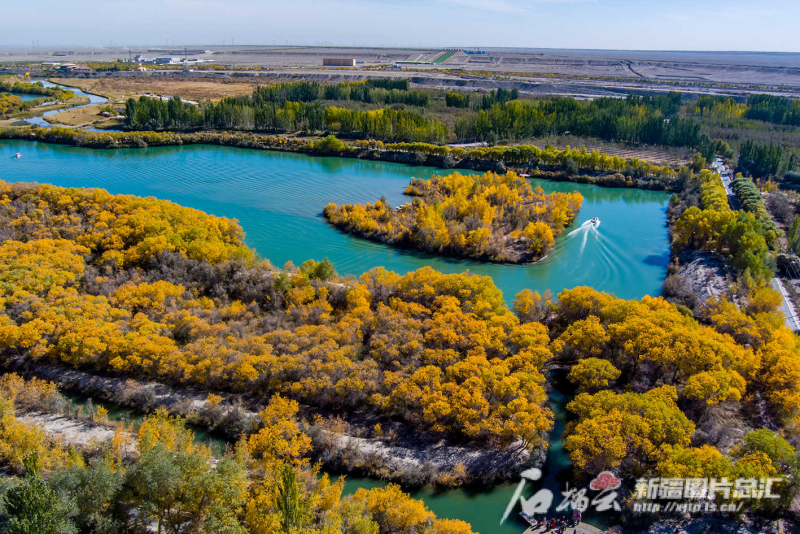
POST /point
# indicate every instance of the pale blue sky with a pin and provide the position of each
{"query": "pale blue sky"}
(612, 24)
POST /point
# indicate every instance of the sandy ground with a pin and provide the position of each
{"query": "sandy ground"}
(720, 67)
(116, 89)
(536, 73)
(444, 457)
(68, 430)
(85, 117)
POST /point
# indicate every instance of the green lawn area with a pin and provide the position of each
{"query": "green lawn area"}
(444, 57)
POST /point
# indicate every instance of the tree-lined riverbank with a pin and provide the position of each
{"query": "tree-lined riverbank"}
(569, 165)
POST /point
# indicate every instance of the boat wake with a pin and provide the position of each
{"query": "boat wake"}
(589, 228)
(586, 227)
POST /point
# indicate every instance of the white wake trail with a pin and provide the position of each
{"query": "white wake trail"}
(582, 228)
(585, 229)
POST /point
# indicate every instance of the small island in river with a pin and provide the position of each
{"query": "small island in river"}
(494, 217)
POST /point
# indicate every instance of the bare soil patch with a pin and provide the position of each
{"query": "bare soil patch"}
(120, 87)
(85, 117)
(68, 430)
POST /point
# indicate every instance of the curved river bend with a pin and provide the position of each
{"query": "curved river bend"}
(278, 199)
(39, 120)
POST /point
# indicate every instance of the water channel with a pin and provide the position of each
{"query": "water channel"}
(278, 199)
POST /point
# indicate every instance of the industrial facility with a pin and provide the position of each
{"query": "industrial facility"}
(338, 62)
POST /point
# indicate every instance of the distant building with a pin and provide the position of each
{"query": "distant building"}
(169, 60)
(71, 67)
(338, 62)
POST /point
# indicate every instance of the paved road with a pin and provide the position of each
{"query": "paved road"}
(792, 320)
(727, 176)
(787, 307)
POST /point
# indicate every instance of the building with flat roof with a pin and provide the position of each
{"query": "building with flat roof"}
(338, 62)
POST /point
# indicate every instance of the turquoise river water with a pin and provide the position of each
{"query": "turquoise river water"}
(278, 199)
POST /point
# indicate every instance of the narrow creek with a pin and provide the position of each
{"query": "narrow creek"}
(481, 507)
(40, 119)
(116, 413)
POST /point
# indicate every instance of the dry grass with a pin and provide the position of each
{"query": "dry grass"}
(85, 117)
(119, 88)
(8, 123)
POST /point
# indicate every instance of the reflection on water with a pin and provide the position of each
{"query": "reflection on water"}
(25, 97)
(278, 199)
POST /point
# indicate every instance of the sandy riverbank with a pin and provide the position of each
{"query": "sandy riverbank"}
(408, 459)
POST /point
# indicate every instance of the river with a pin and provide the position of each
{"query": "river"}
(278, 199)
(25, 96)
(39, 120)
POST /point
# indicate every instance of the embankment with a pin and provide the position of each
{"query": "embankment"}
(398, 456)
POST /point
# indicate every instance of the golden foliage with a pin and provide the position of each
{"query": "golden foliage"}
(611, 427)
(119, 228)
(593, 373)
(279, 437)
(160, 428)
(650, 332)
(496, 217)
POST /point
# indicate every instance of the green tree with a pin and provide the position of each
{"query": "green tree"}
(290, 506)
(779, 451)
(324, 270)
(283, 283)
(181, 491)
(33, 507)
(95, 490)
(153, 484)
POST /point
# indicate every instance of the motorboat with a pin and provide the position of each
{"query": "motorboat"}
(595, 221)
(18, 155)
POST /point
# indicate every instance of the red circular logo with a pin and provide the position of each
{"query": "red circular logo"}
(605, 480)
